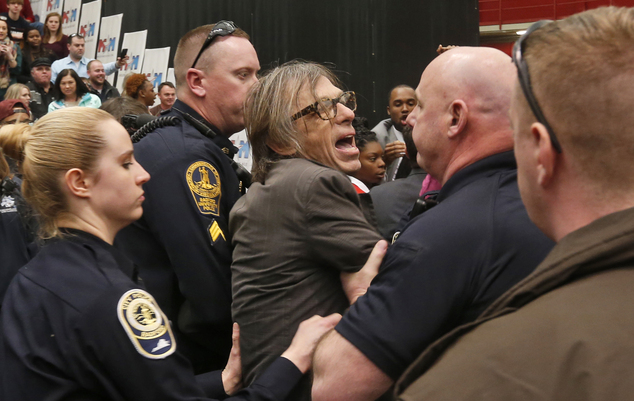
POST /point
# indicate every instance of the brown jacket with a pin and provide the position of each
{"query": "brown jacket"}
(566, 332)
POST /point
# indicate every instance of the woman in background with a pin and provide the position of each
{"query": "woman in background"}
(54, 39)
(18, 91)
(139, 88)
(10, 58)
(32, 50)
(73, 92)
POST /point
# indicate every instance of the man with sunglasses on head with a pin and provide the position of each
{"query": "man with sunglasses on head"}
(76, 60)
(455, 259)
(565, 332)
(181, 245)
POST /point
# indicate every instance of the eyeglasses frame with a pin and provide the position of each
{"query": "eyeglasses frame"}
(314, 108)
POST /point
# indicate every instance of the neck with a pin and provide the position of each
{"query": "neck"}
(71, 98)
(166, 106)
(74, 58)
(53, 37)
(90, 224)
(14, 16)
(97, 86)
(206, 114)
(46, 86)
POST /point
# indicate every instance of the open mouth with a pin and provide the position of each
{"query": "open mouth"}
(346, 143)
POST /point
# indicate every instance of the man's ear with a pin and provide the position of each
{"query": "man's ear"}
(388, 111)
(194, 79)
(544, 152)
(459, 115)
(77, 183)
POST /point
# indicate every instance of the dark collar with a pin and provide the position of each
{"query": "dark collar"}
(125, 264)
(477, 170)
(220, 139)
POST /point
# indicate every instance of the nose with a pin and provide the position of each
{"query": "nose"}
(381, 162)
(344, 114)
(142, 176)
(411, 118)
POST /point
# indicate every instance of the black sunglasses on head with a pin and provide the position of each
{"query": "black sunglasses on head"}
(525, 81)
(221, 28)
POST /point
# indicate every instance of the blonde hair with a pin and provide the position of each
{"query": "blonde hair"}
(13, 92)
(582, 75)
(269, 107)
(47, 32)
(189, 46)
(56, 143)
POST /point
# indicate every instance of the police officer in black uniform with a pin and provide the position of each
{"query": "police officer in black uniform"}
(77, 322)
(181, 244)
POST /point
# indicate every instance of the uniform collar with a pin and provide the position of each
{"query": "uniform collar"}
(221, 140)
(125, 264)
(477, 170)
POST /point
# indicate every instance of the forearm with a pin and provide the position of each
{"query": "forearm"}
(342, 372)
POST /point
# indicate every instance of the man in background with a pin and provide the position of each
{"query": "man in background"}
(98, 84)
(167, 96)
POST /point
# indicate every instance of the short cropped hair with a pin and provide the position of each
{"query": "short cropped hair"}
(582, 76)
(269, 107)
(189, 46)
(164, 84)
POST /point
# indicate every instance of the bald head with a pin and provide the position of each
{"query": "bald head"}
(464, 97)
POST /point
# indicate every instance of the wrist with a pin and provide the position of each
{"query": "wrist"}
(300, 360)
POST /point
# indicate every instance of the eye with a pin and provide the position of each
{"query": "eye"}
(127, 165)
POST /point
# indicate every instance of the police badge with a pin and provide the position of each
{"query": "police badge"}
(146, 325)
(204, 182)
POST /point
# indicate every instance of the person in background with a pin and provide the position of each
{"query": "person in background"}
(401, 102)
(43, 92)
(54, 39)
(299, 124)
(372, 171)
(18, 226)
(98, 84)
(31, 51)
(72, 92)
(14, 111)
(10, 58)
(17, 25)
(76, 60)
(18, 91)
(105, 335)
(139, 88)
(392, 200)
(167, 96)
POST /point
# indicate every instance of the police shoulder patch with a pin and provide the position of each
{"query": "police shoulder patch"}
(145, 324)
(204, 183)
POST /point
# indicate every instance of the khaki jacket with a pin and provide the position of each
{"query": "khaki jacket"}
(566, 332)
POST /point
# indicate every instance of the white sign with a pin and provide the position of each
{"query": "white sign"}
(70, 16)
(52, 6)
(170, 76)
(109, 39)
(135, 43)
(244, 156)
(89, 26)
(39, 9)
(155, 67)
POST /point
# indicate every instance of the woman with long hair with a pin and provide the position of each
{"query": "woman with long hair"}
(10, 58)
(18, 91)
(73, 92)
(32, 50)
(54, 39)
(77, 322)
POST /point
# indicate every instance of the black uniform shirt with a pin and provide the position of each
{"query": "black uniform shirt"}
(448, 265)
(181, 244)
(76, 326)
